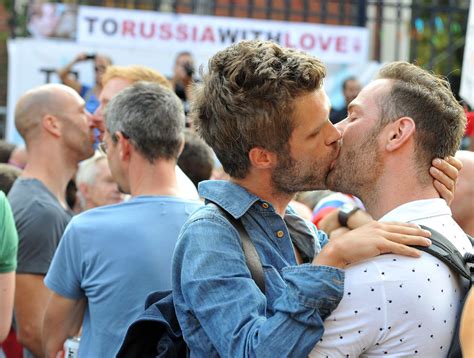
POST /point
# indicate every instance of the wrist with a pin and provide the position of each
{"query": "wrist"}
(330, 255)
(346, 211)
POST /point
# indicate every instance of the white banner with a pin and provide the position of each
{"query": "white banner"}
(33, 62)
(467, 77)
(204, 35)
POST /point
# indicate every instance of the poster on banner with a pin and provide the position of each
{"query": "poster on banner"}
(34, 62)
(467, 77)
(165, 32)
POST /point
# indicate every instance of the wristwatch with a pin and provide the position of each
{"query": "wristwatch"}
(345, 212)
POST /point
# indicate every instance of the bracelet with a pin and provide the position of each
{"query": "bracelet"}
(345, 213)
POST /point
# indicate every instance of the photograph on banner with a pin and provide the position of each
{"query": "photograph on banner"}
(52, 20)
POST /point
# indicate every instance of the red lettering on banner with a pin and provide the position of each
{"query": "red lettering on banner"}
(325, 43)
(208, 35)
(165, 32)
(341, 44)
(128, 28)
(287, 41)
(356, 46)
(195, 33)
(181, 32)
(307, 41)
(151, 32)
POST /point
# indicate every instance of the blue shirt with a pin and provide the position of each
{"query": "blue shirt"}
(220, 309)
(115, 256)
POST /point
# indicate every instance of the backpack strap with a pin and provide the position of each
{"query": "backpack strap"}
(444, 250)
(251, 256)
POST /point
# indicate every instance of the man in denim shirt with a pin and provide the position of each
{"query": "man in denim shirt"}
(263, 110)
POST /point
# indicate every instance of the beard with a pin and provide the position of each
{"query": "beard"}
(357, 169)
(291, 176)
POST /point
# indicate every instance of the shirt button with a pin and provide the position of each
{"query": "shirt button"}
(265, 205)
(280, 233)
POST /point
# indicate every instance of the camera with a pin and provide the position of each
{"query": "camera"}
(189, 69)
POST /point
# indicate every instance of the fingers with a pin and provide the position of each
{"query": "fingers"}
(445, 173)
(450, 166)
(399, 249)
(445, 193)
(455, 162)
(404, 228)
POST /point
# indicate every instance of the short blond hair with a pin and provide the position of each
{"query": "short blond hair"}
(135, 74)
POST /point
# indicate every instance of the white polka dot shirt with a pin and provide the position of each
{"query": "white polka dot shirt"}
(395, 306)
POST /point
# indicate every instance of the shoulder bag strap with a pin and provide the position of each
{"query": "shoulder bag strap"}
(251, 256)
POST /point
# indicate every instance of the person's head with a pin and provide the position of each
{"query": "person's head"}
(116, 78)
(18, 157)
(101, 63)
(96, 187)
(55, 115)
(183, 66)
(350, 88)
(406, 117)
(261, 101)
(145, 119)
(8, 175)
(6, 150)
(197, 159)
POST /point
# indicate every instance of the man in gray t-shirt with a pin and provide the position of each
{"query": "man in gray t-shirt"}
(40, 221)
(57, 130)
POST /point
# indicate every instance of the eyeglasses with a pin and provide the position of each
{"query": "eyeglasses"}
(103, 147)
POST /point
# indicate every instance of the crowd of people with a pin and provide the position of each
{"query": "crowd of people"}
(134, 185)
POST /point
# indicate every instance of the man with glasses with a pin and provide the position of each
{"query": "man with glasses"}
(115, 79)
(110, 258)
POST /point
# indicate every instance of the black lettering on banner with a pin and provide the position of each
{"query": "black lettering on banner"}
(47, 72)
(109, 27)
(91, 21)
(274, 37)
(256, 33)
(228, 35)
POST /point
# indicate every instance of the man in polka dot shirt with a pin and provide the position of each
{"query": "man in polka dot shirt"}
(394, 305)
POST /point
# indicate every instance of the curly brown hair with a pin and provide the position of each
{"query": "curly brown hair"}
(247, 97)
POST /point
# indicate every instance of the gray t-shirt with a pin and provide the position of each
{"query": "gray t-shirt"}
(40, 220)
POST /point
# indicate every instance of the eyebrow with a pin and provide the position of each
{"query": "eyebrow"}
(318, 128)
(353, 106)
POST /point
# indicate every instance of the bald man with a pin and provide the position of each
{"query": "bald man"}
(58, 133)
(463, 202)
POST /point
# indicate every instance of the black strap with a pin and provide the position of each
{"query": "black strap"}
(251, 256)
(444, 250)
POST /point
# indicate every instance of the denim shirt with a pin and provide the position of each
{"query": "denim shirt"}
(221, 310)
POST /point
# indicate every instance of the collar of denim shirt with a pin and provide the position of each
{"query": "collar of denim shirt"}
(233, 198)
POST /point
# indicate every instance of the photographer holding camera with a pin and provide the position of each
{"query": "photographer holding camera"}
(90, 94)
(183, 77)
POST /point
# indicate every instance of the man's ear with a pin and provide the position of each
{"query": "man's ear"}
(261, 158)
(398, 133)
(51, 124)
(181, 147)
(125, 146)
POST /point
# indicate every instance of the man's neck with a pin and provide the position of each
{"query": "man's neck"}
(52, 168)
(391, 191)
(157, 179)
(260, 184)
